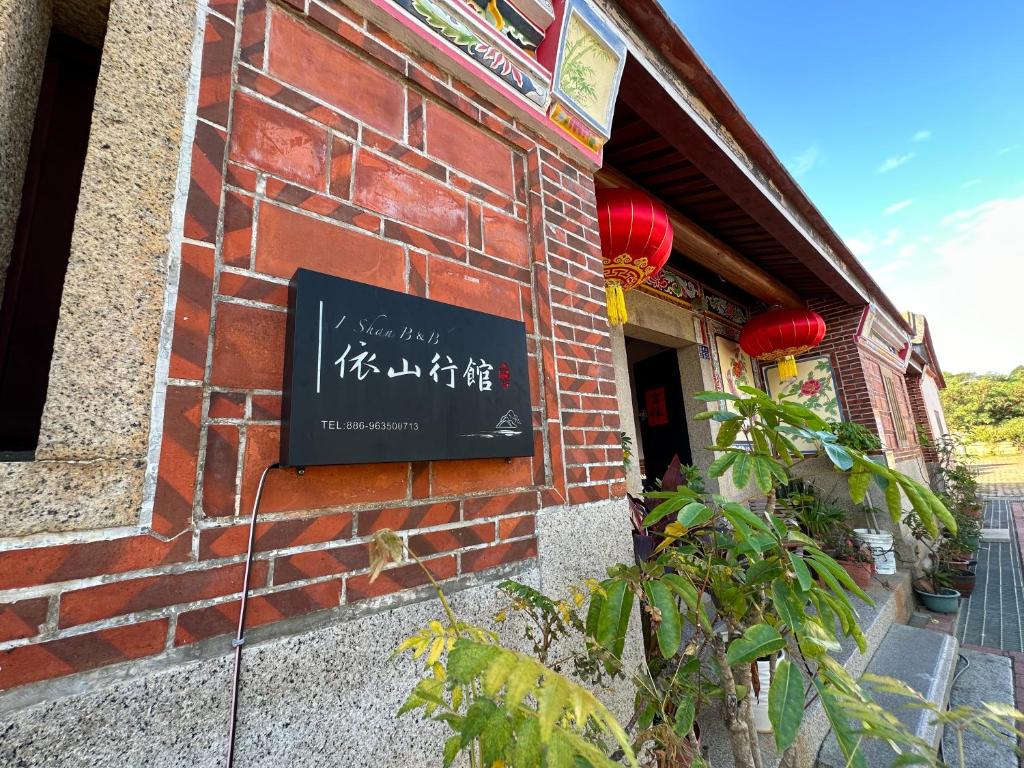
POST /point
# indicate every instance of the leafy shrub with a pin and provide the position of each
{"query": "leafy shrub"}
(850, 434)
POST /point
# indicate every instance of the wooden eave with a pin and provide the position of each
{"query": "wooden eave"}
(648, 100)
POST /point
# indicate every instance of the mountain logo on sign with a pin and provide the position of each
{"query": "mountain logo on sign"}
(508, 425)
(509, 421)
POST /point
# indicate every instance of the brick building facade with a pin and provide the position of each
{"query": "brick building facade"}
(264, 136)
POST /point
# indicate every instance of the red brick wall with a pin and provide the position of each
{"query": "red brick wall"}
(322, 142)
(859, 374)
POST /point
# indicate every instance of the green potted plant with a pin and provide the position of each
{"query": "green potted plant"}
(959, 485)
(770, 585)
(815, 516)
(955, 553)
(935, 591)
(959, 549)
(933, 586)
(855, 556)
(850, 434)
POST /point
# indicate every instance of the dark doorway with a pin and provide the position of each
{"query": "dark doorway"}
(662, 416)
(42, 239)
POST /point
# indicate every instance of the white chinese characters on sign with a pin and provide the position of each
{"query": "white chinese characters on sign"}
(359, 361)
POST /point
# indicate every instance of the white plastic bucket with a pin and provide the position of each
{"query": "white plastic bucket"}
(881, 544)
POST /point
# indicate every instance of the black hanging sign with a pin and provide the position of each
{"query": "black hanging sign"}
(374, 375)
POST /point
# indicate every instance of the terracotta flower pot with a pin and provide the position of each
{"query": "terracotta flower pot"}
(860, 572)
(963, 582)
(962, 564)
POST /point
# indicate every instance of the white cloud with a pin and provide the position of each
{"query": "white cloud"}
(904, 259)
(1008, 150)
(907, 252)
(806, 160)
(890, 267)
(967, 282)
(970, 183)
(862, 243)
(894, 162)
(921, 136)
(897, 207)
(891, 236)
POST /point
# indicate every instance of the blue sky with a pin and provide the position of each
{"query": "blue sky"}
(904, 123)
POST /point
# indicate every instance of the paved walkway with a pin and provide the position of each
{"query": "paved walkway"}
(1000, 476)
(992, 615)
(992, 619)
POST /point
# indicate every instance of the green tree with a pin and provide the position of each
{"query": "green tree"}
(1011, 431)
(978, 405)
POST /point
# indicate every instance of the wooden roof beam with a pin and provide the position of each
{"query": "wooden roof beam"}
(701, 246)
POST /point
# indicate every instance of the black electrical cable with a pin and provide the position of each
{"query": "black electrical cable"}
(239, 640)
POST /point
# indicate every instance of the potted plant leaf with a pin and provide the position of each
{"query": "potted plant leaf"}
(855, 556)
(724, 587)
(933, 585)
(935, 591)
(645, 538)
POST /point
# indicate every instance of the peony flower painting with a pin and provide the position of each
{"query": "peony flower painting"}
(813, 387)
(735, 367)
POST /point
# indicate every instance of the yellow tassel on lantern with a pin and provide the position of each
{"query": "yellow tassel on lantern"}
(787, 368)
(616, 303)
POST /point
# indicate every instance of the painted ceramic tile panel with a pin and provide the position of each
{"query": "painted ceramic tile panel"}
(451, 23)
(673, 286)
(589, 68)
(814, 387)
(725, 308)
(735, 366)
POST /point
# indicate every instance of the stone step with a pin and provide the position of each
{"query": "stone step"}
(980, 678)
(924, 660)
(893, 600)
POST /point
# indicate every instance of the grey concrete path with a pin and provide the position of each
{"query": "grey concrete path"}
(980, 677)
(994, 616)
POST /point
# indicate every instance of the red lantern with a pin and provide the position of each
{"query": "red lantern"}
(780, 334)
(636, 240)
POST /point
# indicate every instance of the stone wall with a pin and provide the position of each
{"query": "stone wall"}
(319, 690)
(24, 30)
(317, 140)
(96, 442)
